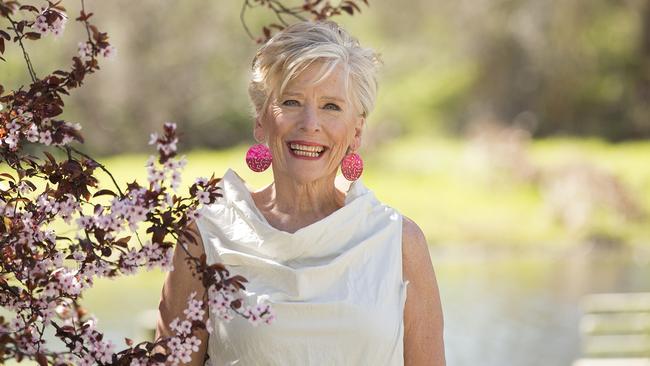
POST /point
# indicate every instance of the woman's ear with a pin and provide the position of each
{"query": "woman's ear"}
(258, 130)
(358, 131)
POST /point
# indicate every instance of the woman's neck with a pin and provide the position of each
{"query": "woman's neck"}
(289, 205)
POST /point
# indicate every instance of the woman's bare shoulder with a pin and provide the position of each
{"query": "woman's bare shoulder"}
(415, 250)
(423, 319)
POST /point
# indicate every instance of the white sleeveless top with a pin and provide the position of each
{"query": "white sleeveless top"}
(335, 286)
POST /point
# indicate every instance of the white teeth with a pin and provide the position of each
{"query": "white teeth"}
(306, 153)
(299, 147)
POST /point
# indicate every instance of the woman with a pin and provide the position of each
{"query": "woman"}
(332, 261)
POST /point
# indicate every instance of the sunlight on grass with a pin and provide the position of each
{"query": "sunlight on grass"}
(429, 180)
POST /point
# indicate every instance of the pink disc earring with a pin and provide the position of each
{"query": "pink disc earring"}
(352, 166)
(258, 158)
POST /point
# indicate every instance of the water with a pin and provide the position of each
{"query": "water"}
(525, 309)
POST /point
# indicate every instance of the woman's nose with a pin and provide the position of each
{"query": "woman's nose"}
(309, 121)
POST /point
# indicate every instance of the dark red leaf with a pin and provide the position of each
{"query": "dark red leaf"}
(105, 192)
(50, 157)
(42, 361)
(159, 357)
(348, 9)
(30, 8)
(33, 35)
(238, 278)
(123, 241)
(5, 35)
(354, 5)
(7, 175)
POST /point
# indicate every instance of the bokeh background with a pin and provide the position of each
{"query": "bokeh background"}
(514, 132)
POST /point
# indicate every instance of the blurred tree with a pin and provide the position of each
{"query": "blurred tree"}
(573, 67)
(557, 67)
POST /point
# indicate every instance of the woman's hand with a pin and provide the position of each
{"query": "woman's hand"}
(423, 322)
(179, 284)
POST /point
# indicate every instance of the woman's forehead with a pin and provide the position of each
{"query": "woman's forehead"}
(318, 76)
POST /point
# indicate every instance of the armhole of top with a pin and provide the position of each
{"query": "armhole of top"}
(403, 282)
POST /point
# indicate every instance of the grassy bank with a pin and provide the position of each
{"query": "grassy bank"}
(456, 199)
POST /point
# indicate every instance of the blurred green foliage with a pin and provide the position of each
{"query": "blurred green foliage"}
(576, 67)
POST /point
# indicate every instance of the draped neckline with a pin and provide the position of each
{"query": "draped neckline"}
(237, 195)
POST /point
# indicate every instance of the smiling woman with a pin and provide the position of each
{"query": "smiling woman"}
(310, 127)
(332, 261)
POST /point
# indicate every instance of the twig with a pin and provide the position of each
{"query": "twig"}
(30, 67)
(101, 166)
(243, 21)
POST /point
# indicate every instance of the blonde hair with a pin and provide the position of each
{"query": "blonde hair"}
(292, 50)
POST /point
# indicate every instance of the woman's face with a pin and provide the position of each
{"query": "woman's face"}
(311, 126)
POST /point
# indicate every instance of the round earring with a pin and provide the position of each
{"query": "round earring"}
(352, 166)
(258, 158)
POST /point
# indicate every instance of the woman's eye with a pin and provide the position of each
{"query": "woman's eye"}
(290, 102)
(332, 106)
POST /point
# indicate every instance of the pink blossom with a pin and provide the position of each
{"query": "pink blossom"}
(175, 180)
(57, 26)
(185, 327)
(46, 137)
(85, 50)
(192, 344)
(175, 343)
(203, 197)
(13, 126)
(108, 51)
(32, 134)
(194, 309)
(193, 215)
(153, 139)
(24, 188)
(11, 140)
(40, 24)
(85, 222)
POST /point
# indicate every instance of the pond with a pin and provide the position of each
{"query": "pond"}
(524, 309)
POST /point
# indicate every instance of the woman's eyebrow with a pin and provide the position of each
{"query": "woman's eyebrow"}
(325, 97)
(292, 94)
(337, 99)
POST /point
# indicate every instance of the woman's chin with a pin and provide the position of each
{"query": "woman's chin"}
(306, 175)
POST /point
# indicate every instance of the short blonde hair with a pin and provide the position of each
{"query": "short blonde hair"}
(292, 50)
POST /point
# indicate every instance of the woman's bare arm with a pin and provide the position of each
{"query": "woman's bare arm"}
(423, 321)
(178, 286)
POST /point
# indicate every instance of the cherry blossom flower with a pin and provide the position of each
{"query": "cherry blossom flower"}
(40, 25)
(85, 50)
(32, 133)
(46, 137)
(108, 51)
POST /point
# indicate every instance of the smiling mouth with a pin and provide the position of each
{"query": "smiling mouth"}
(308, 151)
